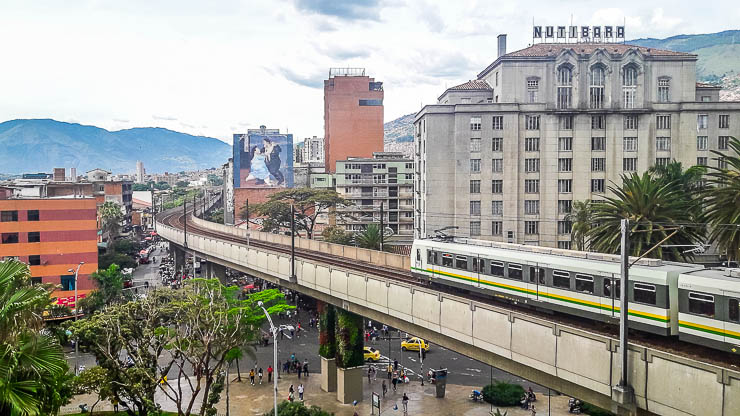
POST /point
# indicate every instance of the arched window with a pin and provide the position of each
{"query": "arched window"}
(596, 91)
(629, 86)
(565, 86)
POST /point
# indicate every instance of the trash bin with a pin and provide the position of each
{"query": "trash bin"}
(440, 382)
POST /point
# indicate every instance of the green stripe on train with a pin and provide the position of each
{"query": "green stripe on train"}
(544, 295)
(709, 331)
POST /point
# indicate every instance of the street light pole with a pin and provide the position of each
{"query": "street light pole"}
(275, 354)
(77, 312)
(292, 242)
(381, 226)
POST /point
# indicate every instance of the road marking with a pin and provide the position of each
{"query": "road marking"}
(473, 369)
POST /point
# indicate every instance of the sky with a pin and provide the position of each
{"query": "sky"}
(219, 67)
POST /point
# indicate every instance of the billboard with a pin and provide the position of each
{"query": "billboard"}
(263, 158)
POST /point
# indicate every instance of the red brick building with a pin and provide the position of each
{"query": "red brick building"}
(353, 116)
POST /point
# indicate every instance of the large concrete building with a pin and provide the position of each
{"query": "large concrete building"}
(503, 156)
(353, 115)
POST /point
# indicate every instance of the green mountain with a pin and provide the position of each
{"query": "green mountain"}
(39, 145)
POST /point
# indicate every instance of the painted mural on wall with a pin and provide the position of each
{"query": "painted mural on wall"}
(263, 158)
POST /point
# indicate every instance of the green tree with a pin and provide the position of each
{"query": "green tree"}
(109, 290)
(722, 199)
(122, 260)
(501, 393)
(141, 187)
(112, 216)
(309, 203)
(336, 234)
(125, 246)
(370, 238)
(580, 217)
(655, 209)
(94, 380)
(161, 186)
(32, 366)
(182, 184)
(286, 408)
(215, 180)
(689, 181)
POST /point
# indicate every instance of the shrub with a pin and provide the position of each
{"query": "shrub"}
(287, 408)
(501, 393)
(592, 410)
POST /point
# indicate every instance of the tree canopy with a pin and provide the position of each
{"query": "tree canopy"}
(722, 199)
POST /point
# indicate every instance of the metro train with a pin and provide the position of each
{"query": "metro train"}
(698, 305)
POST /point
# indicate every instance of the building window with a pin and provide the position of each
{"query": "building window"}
(497, 79)
(629, 144)
(565, 164)
(565, 245)
(532, 144)
(598, 164)
(33, 215)
(497, 165)
(565, 87)
(531, 165)
(701, 142)
(598, 122)
(565, 122)
(596, 91)
(721, 163)
(662, 161)
(629, 86)
(497, 144)
(532, 207)
(664, 86)
(497, 186)
(531, 227)
(565, 206)
(663, 143)
(496, 227)
(565, 186)
(498, 122)
(663, 122)
(723, 142)
(597, 185)
(630, 122)
(365, 103)
(34, 237)
(564, 227)
(532, 122)
(9, 238)
(475, 145)
(629, 164)
(474, 207)
(34, 260)
(8, 216)
(565, 144)
(702, 121)
(532, 86)
(598, 144)
(410, 165)
(532, 186)
(475, 228)
(701, 161)
(475, 186)
(497, 208)
(474, 165)
(475, 123)
(724, 121)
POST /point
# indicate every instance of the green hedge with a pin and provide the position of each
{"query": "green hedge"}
(592, 410)
(296, 408)
(349, 340)
(327, 328)
(501, 393)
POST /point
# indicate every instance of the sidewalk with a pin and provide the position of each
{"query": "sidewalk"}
(246, 399)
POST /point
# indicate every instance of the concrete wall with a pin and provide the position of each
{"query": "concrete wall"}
(566, 359)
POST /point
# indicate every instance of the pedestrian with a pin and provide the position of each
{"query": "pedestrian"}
(390, 370)
(533, 410)
(369, 374)
(292, 357)
(291, 396)
(405, 401)
(375, 373)
(299, 370)
(300, 391)
(269, 374)
(305, 368)
(115, 404)
(281, 334)
(385, 388)
(259, 374)
(292, 332)
(395, 381)
(251, 376)
(395, 365)
(403, 376)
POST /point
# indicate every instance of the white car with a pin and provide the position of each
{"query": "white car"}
(286, 328)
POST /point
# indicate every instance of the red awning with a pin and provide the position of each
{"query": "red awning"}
(67, 297)
(249, 287)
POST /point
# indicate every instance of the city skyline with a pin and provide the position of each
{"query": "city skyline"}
(196, 63)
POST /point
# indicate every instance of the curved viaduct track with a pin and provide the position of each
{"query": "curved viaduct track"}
(667, 344)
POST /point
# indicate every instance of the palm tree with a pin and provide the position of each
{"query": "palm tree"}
(369, 237)
(580, 218)
(722, 199)
(111, 214)
(689, 180)
(29, 362)
(655, 209)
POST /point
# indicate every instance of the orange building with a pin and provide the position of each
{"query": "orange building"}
(52, 236)
(353, 116)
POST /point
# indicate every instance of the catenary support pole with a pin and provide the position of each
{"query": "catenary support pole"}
(292, 242)
(623, 304)
(381, 226)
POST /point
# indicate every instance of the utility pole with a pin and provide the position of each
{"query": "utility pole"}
(195, 205)
(292, 242)
(623, 389)
(185, 215)
(381, 226)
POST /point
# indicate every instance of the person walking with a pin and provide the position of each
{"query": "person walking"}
(390, 370)
(395, 364)
(300, 392)
(259, 374)
(269, 374)
(533, 410)
(251, 376)
(395, 381)
(115, 405)
(305, 368)
(299, 370)
(385, 388)
(405, 402)
(369, 374)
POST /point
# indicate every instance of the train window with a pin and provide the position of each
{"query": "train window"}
(537, 274)
(608, 288)
(701, 304)
(418, 255)
(447, 260)
(515, 271)
(497, 268)
(645, 293)
(475, 264)
(431, 258)
(584, 283)
(561, 279)
(734, 310)
(461, 262)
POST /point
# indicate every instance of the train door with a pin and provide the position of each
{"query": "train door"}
(536, 275)
(432, 267)
(610, 296)
(732, 323)
(417, 260)
(476, 269)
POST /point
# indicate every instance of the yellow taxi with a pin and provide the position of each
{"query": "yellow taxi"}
(414, 344)
(371, 354)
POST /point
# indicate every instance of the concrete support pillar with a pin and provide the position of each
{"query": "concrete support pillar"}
(179, 256)
(327, 346)
(350, 356)
(218, 271)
